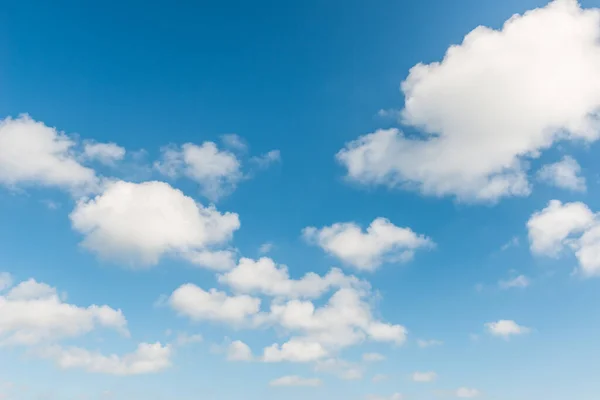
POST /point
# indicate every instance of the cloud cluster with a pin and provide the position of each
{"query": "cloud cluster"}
(32, 313)
(506, 328)
(571, 226)
(499, 98)
(146, 359)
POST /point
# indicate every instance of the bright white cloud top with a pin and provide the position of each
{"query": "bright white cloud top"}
(495, 100)
(140, 222)
(571, 226)
(382, 242)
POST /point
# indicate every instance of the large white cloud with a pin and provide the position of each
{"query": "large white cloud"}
(382, 242)
(197, 304)
(216, 171)
(32, 312)
(33, 153)
(146, 359)
(138, 223)
(265, 277)
(498, 98)
(570, 225)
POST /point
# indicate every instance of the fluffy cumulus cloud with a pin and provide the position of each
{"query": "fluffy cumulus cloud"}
(34, 153)
(216, 171)
(345, 320)
(105, 153)
(146, 359)
(382, 242)
(570, 225)
(424, 377)
(495, 100)
(564, 174)
(138, 223)
(239, 351)
(294, 380)
(506, 328)
(467, 393)
(197, 304)
(33, 312)
(265, 277)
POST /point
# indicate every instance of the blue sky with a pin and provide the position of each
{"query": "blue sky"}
(275, 200)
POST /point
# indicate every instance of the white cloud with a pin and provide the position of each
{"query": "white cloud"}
(513, 242)
(218, 260)
(424, 377)
(239, 351)
(395, 396)
(216, 171)
(373, 357)
(520, 281)
(493, 102)
(234, 142)
(422, 343)
(138, 223)
(295, 350)
(193, 302)
(571, 225)
(506, 328)
(33, 153)
(32, 312)
(563, 174)
(342, 369)
(6, 281)
(265, 160)
(265, 248)
(106, 153)
(549, 228)
(147, 359)
(382, 242)
(344, 321)
(294, 380)
(265, 277)
(467, 393)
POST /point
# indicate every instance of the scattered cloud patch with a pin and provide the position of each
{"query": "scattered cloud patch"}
(467, 393)
(267, 159)
(32, 313)
(381, 242)
(423, 377)
(239, 351)
(148, 358)
(520, 281)
(506, 328)
(265, 277)
(564, 174)
(199, 305)
(105, 153)
(572, 226)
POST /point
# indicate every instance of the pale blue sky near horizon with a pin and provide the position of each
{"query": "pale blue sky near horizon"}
(304, 78)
